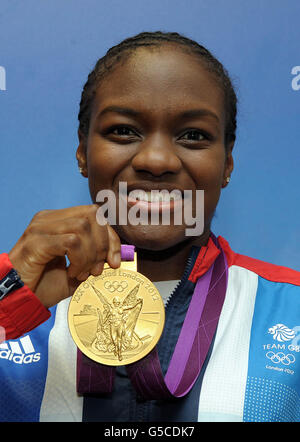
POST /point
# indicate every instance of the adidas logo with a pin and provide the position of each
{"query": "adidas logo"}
(20, 351)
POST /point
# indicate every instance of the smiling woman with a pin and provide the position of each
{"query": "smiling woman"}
(158, 114)
(146, 116)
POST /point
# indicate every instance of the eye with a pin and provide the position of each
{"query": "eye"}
(193, 135)
(121, 134)
(122, 131)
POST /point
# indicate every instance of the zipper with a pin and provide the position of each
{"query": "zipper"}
(186, 273)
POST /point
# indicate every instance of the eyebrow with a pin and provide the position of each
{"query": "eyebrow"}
(119, 110)
(193, 113)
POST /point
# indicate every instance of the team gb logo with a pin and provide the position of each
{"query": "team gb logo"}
(281, 333)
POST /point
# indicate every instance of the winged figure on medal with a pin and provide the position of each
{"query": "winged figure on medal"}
(116, 324)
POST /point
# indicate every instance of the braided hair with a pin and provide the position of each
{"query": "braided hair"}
(128, 46)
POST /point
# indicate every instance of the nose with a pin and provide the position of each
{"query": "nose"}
(157, 155)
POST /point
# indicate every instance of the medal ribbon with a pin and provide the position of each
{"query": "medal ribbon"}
(190, 352)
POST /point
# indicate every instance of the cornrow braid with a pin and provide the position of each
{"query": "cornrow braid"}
(118, 53)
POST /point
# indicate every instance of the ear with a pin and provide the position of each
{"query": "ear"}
(228, 164)
(81, 154)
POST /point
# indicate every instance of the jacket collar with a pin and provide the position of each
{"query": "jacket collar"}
(206, 257)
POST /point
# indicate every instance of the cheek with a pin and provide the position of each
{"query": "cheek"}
(207, 172)
(207, 168)
(98, 174)
(103, 166)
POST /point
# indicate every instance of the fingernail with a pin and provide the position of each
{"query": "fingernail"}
(117, 258)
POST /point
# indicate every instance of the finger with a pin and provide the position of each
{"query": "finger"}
(98, 243)
(90, 252)
(83, 276)
(97, 269)
(69, 212)
(31, 257)
(114, 251)
(93, 239)
(60, 226)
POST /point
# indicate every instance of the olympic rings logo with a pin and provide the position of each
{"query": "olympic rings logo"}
(281, 357)
(115, 286)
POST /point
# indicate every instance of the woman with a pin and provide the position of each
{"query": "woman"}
(157, 112)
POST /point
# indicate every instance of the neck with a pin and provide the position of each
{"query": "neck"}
(164, 265)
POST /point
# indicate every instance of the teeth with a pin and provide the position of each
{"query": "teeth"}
(155, 196)
(138, 195)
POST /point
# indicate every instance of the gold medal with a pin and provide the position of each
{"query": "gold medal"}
(118, 317)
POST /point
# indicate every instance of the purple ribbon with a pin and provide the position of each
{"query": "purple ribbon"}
(127, 252)
(92, 377)
(190, 352)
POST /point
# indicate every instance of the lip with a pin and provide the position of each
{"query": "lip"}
(148, 186)
(157, 206)
(160, 206)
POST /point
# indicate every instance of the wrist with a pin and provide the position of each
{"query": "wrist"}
(9, 278)
(20, 309)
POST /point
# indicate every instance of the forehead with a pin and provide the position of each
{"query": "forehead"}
(161, 79)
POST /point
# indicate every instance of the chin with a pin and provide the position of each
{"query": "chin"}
(156, 238)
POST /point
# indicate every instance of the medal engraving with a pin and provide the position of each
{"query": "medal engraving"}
(116, 318)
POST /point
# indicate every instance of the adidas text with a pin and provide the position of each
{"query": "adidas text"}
(19, 351)
(19, 359)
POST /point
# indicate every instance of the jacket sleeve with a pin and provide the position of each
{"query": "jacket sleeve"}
(20, 310)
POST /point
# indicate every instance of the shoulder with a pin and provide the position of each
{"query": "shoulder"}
(271, 272)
